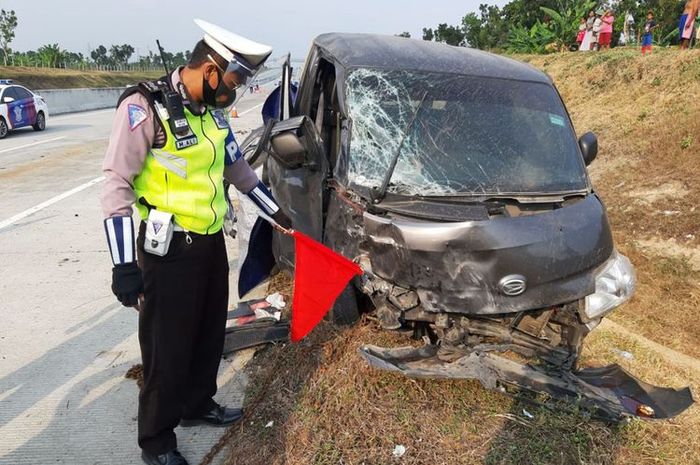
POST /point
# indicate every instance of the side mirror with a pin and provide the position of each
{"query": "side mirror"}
(7, 100)
(295, 143)
(589, 147)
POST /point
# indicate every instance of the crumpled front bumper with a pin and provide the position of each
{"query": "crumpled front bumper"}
(610, 391)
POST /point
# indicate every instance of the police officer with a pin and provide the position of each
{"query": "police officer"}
(170, 150)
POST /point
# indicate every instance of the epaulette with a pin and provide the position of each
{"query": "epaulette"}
(151, 90)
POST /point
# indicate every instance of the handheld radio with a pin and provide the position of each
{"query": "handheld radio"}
(172, 100)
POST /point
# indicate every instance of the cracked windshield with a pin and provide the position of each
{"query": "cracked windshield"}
(471, 135)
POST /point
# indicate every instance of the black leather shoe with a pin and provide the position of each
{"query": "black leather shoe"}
(217, 416)
(172, 457)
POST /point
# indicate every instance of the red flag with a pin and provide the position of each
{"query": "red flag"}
(320, 275)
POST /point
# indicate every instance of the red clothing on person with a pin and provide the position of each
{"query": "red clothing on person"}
(607, 24)
(604, 38)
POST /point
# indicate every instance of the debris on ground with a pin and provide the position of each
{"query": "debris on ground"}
(135, 373)
(623, 353)
(399, 450)
(276, 300)
(528, 415)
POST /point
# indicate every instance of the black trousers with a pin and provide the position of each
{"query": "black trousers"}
(181, 334)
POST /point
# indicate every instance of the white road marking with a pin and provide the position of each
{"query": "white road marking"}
(49, 202)
(33, 143)
(251, 109)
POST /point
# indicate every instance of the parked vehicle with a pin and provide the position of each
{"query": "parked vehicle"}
(455, 179)
(20, 107)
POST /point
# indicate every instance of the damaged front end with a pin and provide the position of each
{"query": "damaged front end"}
(485, 238)
(466, 201)
(446, 283)
(449, 292)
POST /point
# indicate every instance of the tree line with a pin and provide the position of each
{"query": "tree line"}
(53, 56)
(540, 26)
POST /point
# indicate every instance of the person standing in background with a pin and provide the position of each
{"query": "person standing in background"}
(586, 43)
(597, 24)
(687, 22)
(648, 36)
(606, 30)
(581, 32)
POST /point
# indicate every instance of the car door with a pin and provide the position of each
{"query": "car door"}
(27, 105)
(295, 166)
(14, 111)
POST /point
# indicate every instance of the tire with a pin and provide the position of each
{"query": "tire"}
(3, 128)
(345, 310)
(40, 123)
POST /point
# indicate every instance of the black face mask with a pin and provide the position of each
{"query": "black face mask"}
(221, 97)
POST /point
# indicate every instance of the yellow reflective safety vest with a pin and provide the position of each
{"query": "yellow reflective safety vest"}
(188, 182)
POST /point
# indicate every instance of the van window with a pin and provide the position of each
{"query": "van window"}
(472, 135)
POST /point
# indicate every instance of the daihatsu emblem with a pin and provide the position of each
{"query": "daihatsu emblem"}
(513, 284)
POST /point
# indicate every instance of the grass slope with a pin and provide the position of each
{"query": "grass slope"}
(328, 407)
(48, 78)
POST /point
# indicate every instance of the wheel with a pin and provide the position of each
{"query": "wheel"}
(345, 310)
(3, 128)
(40, 123)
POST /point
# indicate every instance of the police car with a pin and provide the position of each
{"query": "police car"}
(20, 107)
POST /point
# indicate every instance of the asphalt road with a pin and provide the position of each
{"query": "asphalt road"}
(65, 343)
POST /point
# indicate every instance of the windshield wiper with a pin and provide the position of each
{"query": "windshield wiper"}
(378, 195)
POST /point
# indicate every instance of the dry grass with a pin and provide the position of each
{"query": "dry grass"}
(328, 407)
(48, 78)
(646, 114)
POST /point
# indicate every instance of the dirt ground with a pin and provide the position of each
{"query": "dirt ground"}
(318, 403)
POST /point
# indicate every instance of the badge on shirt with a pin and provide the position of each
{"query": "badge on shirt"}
(137, 115)
(220, 119)
(185, 142)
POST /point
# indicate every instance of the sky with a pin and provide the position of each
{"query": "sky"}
(288, 26)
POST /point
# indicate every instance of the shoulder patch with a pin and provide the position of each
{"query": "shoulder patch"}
(220, 119)
(137, 115)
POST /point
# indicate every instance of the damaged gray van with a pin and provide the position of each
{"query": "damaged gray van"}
(455, 179)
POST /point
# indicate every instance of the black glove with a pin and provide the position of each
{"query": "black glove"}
(282, 219)
(127, 283)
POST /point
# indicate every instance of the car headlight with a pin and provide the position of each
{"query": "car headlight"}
(614, 285)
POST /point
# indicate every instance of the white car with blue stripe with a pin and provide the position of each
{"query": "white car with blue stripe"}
(20, 107)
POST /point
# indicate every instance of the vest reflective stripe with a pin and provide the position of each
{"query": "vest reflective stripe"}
(189, 182)
(173, 163)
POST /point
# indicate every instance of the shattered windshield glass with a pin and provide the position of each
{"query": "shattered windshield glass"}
(472, 135)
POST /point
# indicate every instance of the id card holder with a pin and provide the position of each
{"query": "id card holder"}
(159, 232)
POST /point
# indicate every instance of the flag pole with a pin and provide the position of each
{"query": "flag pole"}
(275, 224)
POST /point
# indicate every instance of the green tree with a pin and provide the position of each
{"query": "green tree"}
(100, 57)
(8, 24)
(530, 40)
(405, 34)
(563, 22)
(51, 55)
(494, 27)
(473, 30)
(428, 34)
(72, 59)
(120, 54)
(526, 12)
(450, 35)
